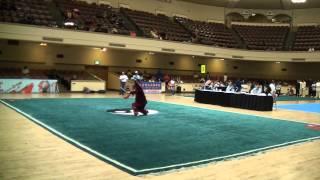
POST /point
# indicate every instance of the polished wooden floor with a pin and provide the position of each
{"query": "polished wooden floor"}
(27, 151)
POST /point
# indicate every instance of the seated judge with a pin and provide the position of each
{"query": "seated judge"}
(257, 89)
(230, 87)
(208, 84)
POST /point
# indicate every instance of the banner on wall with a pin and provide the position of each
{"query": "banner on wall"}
(27, 86)
(151, 87)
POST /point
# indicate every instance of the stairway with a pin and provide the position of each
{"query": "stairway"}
(235, 35)
(290, 40)
(56, 13)
(129, 24)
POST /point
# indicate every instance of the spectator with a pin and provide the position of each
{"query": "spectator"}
(136, 76)
(25, 71)
(129, 74)
(208, 84)
(257, 89)
(154, 33)
(123, 79)
(159, 75)
(172, 86)
(230, 87)
(278, 88)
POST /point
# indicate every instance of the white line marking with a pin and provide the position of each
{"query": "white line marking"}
(70, 139)
(232, 155)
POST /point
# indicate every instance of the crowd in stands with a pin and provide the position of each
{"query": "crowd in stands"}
(91, 17)
(81, 15)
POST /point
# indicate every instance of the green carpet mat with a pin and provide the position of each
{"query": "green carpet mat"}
(178, 136)
(295, 98)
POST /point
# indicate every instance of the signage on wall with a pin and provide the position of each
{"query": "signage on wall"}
(203, 68)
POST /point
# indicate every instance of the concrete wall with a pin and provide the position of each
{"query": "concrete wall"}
(40, 34)
(81, 57)
(304, 16)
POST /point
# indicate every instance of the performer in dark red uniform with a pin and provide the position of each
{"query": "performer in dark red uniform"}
(140, 101)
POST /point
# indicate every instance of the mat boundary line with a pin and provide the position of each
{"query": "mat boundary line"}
(157, 168)
(70, 139)
(234, 155)
(241, 113)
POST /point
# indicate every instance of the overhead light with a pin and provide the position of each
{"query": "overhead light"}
(43, 44)
(277, 62)
(96, 62)
(253, 14)
(103, 49)
(151, 53)
(298, 1)
(220, 59)
(193, 57)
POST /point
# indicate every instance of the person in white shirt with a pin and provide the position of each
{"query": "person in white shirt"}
(136, 76)
(278, 88)
(272, 88)
(123, 79)
(172, 86)
(257, 89)
(318, 89)
(302, 88)
(208, 84)
(230, 87)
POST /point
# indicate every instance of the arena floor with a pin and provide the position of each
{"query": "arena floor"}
(28, 151)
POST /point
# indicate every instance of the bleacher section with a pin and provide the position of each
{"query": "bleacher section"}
(271, 38)
(34, 12)
(80, 15)
(208, 33)
(15, 73)
(91, 17)
(307, 39)
(160, 24)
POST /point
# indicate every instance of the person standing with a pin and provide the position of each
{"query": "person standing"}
(123, 79)
(318, 89)
(302, 88)
(172, 86)
(298, 88)
(136, 76)
(272, 87)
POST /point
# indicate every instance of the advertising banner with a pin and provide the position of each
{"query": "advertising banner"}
(27, 86)
(151, 87)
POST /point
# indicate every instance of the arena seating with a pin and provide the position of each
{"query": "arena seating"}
(104, 18)
(307, 39)
(271, 38)
(91, 17)
(16, 73)
(161, 24)
(209, 33)
(34, 12)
